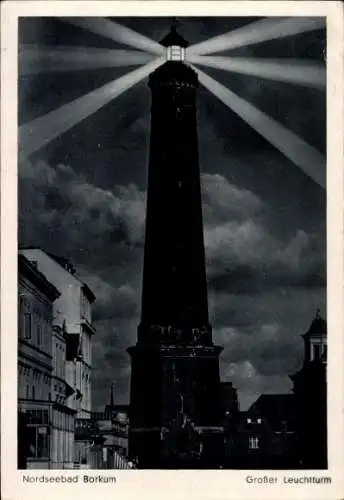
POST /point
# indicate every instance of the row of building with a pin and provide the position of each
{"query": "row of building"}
(57, 428)
(54, 360)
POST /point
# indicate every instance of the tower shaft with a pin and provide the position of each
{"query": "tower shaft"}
(175, 385)
(174, 281)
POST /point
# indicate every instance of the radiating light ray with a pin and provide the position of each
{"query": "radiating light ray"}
(259, 31)
(42, 130)
(299, 72)
(41, 59)
(293, 147)
(117, 32)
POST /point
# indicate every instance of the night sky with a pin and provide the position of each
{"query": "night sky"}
(83, 197)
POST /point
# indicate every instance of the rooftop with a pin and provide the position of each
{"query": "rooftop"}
(29, 269)
(174, 38)
(318, 326)
(275, 407)
(68, 266)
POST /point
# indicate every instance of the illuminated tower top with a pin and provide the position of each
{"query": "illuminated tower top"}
(175, 45)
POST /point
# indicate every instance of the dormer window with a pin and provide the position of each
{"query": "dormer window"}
(175, 53)
(316, 351)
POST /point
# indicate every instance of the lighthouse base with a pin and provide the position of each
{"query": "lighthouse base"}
(175, 417)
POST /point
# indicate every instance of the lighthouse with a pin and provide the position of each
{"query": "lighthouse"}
(175, 384)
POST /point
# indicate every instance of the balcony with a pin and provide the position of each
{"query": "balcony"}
(86, 326)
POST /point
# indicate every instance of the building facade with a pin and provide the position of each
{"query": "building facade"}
(175, 414)
(72, 353)
(119, 416)
(230, 419)
(62, 452)
(112, 425)
(36, 297)
(310, 389)
(72, 312)
(266, 434)
(106, 435)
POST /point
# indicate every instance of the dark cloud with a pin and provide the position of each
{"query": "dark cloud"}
(111, 362)
(115, 300)
(58, 205)
(243, 254)
(223, 201)
(251, 383)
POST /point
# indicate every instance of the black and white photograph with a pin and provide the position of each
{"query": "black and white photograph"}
(172, 244)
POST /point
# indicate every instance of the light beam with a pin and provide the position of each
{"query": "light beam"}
(42, 59)
(39, 132)
(260, 31)
(293, 147)
(299, 72)
(116, 32)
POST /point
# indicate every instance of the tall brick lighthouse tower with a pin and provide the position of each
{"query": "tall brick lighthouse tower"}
(175, 385)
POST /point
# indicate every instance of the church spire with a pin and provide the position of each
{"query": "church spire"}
(112, 402)
(315, 339)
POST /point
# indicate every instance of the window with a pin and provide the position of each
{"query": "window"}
(21, 304)
(325, 351)
(27, 326)
(27, 395)
(39, 333)
(33, 393)
(38, 417)
(249, 421)
(253, 443)
(84, 307)
(38, 438)
(259, 420)
(175, 53)
(316, 351)
(20, 316)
